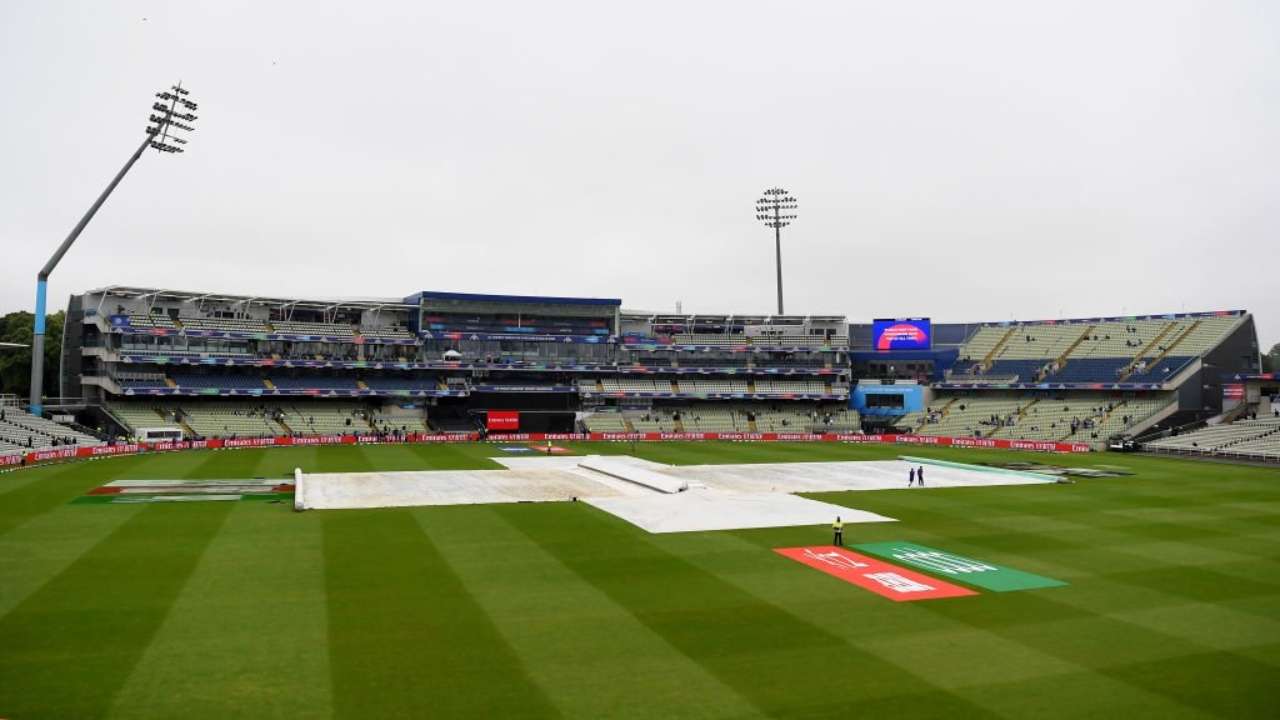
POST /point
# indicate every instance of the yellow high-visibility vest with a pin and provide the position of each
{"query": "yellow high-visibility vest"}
(837, 525)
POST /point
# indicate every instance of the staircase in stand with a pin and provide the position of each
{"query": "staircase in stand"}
(1146, 350)
(1167, 349)
(1021, 414)
(990, 357)
(1061, 361)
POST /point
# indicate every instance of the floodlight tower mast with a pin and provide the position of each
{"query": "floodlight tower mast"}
(174, 111)
(770, 210)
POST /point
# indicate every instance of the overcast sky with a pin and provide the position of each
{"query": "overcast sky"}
(965, 161)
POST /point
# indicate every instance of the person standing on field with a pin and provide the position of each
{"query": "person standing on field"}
(911, 477)
(837, 532)
(920, 476)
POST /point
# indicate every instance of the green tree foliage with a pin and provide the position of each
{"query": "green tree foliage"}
(15, 363)
(1271, 361)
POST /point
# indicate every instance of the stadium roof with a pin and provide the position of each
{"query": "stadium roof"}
(267, 300)
(516, 299)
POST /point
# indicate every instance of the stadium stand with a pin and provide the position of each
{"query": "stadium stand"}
(312, 328)
(244, 325)
(312, 382)
(1081, 352)
(704, 372)
(150, 321)
(727, 417)
(1082, 417)
(1259, 439)
(20, 431)
(216, 382)
(387, 332)
(136, 416)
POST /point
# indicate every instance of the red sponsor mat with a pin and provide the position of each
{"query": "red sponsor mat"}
(878, 576)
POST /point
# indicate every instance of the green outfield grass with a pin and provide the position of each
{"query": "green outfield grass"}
(248, 610)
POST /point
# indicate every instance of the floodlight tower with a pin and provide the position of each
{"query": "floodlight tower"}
(173, 111)
(770, 210)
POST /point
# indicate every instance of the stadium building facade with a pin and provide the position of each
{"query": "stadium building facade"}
(220, 365)
(215, 365)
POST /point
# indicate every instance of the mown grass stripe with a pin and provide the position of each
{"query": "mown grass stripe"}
(590, 655)
(261, 653)
(68, 648)
(406, 639)
(36, 551)
(784, 665)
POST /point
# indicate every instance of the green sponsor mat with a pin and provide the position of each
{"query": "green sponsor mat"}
(958, 567)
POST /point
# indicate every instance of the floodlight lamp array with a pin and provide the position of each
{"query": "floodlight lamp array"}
(174, 112)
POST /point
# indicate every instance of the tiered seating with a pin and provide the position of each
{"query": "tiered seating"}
(1035, 341)
(1131, 412)
(1206, 335)
(309, 328)
(391, 384)
(391, 418)
(1161, 371)
(151, 321)
(815, 341)
(21, 431)
(313, 382)
(702, 386)
(246, 325)
(970, 416)
(136, 379)
(218, 419)
(727, 418)
(1024, 370)
(789, 361)
(605, 422)
(1086, 370)
(1099, 416)
(1246, 438)
(628, 385)
(136, 416)
(175, 352)
(796, 387)
(387, 332)
(701, 360)
(982, 343)
(807, 419)
(217, 382)
(1094, 352)
(1264, 447)
(713, 339)
(653, 421)
(323, 418)
(1096, 417)
(713, 419)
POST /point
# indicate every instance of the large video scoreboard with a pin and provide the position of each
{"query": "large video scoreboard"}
(901, 334)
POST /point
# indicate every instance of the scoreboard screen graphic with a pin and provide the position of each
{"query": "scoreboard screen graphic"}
(901, 334)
